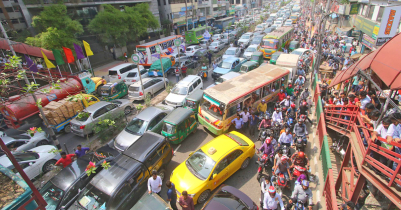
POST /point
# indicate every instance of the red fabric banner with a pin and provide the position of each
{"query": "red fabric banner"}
(68, 55)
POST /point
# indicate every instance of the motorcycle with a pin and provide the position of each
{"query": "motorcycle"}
(279, 182)
(300, 143)
(263, 161)
(338, 146)
(298, 170)
(204, 74)
(276, 128)
(263, 134)
(300, 205)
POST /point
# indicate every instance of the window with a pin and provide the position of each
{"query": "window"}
(158, 2)
(100, 112)
(111, 107)
(380, 14)
(14, 21)
(232, 111)
(238, 1)
(234, 155)
(22, 20)
(121, 195)
(16, 8)
(147, 85)
(370, 13)
(164, 1)
(221, 166)
(9, 9)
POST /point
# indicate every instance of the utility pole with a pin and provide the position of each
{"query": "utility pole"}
(312, 14)
(186, 14)
(193, 15)
(49, 129)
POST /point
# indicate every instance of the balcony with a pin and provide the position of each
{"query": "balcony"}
(41, 3)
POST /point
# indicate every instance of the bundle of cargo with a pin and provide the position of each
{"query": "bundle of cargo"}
(58, 112)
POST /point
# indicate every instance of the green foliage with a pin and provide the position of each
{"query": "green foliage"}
(343, 1)
(109, 126)
(169, 86)
(147, 100)
(55, 27)
(55, 151)
(118, 27)
(83, 115)
(34, 130)
(139, 107)
(18, 36)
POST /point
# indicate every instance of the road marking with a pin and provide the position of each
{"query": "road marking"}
(176, 149)
(318, 196)
(314, 144)
(315, 159)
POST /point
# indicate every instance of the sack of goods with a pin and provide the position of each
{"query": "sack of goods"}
(60, 111)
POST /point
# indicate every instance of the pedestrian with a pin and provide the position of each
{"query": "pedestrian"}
(245, 117)
(81, 151)
(214, 65)
(253, 124)
(177, 74)
(126, 57)
(238, 122)
(209, 55)
(65, 159)
(171, 195)
(154, 183)
(231, 44)
(184, 71)
(186, 202)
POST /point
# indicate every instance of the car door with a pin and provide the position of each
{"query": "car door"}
(154, 158)
(158, 83)
(137, 185)
(98, 115)
(220, 173)
(31, 168)
(155, 125)
(112, 109)
(235, 160)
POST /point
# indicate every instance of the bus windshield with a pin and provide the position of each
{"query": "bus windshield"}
(270, 44)
(212, 109)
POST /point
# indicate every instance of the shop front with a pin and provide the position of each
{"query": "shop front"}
(369, 29)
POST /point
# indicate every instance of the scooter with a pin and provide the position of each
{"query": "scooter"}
(203, 74)
(263, 161)
(298, 170)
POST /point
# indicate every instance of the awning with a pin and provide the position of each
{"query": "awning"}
(23, 48)
(384, 62)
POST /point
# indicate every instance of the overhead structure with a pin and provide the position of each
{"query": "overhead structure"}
(26, 49)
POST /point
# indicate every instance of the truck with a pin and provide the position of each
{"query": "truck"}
(290, 62)
(167, 60)
(91, 84)
(22, 110)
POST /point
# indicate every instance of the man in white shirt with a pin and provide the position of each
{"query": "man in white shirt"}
(154, 183)
(277, 116)
(286, 139)
(238, 122)
(272, 199)
(245, 117)
(383, 130)
(39, 66)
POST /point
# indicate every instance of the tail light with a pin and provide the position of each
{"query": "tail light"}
(133, 80)
(82, 127)
(140, 93)
(215, 48)
(254, 146)
(119, 77)
(172, 151)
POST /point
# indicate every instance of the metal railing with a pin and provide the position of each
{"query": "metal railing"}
(329, 191)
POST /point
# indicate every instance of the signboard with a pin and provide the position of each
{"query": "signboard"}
(354, 9)
(364, 1)
(135, 58)
(181, 23)
(177, 42)
(366, 26)
(368, 42)
(389, 24)
(341, 9)
(188, 8)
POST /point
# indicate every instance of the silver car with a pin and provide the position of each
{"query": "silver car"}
(203, 43)
(133, 76)
(149, 119)
(228, 38)
(151, 85)
(216, 46)
(83, 124)
(232, 52)
(24, 142)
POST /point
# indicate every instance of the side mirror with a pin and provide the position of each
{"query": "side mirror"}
(214, 176)
(190, 154)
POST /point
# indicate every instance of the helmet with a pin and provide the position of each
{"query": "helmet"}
(289, 85)
(268, 140)
(284, 158)
(267, 117)
(284, 108)
(301, 154)
(288, 97)
(290, 121)
(305, 183)
(287, 130)
(264, 156)
(306, 89)
(293, 106)
(304, 103)
(300, 76)
(272, 189)
(301, 60)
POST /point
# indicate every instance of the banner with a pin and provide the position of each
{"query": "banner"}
(366, 26)
(78, 51)
(389, 24)
(30, 64)
(87, 49)
(354, 9)
(68, 55)
(49, 64)
(58, 57)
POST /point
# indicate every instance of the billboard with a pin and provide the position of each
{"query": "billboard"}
(389, 24)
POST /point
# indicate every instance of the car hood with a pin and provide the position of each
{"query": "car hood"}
(221, 70)
(228, 56)
(43, 149)
(243, 40)
(185, 180)
(248, 53)
(175, 98)
(124, 140)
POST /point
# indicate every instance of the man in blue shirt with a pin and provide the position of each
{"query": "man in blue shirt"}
(81, 151)
(171, 195)
(301, 72)
(396, 120)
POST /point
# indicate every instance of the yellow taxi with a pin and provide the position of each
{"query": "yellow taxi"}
(212, 164)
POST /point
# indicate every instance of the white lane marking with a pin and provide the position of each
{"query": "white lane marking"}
(315, 160)
(176, 149)
(318, 196)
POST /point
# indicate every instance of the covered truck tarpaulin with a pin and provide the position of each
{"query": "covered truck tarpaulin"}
(23, 48)
(385, 62)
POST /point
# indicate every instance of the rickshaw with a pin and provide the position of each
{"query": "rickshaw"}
(248, 66)
(293, 46)
(257, 57)
(111, 91)
(179, 124)
(192, 101)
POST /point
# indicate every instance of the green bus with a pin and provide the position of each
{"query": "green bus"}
(276, 40)
(194, 35)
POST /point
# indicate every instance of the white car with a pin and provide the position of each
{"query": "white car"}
(245, 39)
(191, 50)
(34, 162)
(250, 50)
(133, 76)
(216, 46)
(152, 85)
(182, 89)
(232, 52)
(278, 23)
(181, 58)
(259, 28)
(23, 142)
(217, 37)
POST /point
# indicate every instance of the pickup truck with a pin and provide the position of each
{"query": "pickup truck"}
(228, 65)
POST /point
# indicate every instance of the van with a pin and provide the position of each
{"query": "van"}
(121, 71)
(151, 85)
(176, 98)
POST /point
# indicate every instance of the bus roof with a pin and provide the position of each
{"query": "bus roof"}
(200, 28)
(224, 19)
(242, 85)
(278, 32)
(153, 43)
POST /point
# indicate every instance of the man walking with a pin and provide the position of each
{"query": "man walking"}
(253, 124)
(81, 151)
(186, 202)
(209, 55)
(171, 195)
(184, 71)
(154, 183)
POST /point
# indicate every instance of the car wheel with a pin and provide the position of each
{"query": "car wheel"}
(48, 166)
(245, 163)
(161, 173)
(127, 110)
(203, 197)
(67, 128)
(42, 142)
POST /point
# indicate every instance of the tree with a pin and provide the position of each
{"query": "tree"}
(55, 28)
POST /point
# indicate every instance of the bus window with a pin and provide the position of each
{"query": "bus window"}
(152, 49)
(239, 107)
(232, 111)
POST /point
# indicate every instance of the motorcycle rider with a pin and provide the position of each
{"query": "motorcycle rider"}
(283, 167)
(300, 81)
(262, 107)
(264, 185)
(277, 116)
(291, 112)
(286, 139)
(300, 130)
(301, 72)
(271, 199)
(266, 123)
(301, 193)
(281, 95)
(303, 110)
(286, 102)
(305, 94)
(204, 70)
(300, 159)
(267, 149)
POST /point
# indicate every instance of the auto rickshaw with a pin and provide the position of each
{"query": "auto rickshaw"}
(293, 45)
(248, 66)
(257, 57)
(179, 124)
(111, 91)
(192, 101)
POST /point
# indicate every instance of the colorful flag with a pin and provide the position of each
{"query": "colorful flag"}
(68, 55)
(87, 49)
(49, 64)
(78, 51)
(30, 64)
(58, 57)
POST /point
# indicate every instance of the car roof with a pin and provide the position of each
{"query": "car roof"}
(231, 59)
(187, 80)
(253, 45)
(121, 66)
(140, 148)
(7, 139)
(232, 48)
(178, 115)
(149, 113)
(144, 80)
(301, 49)
(120, 168)
(95, 107)
(230, 75)
(222, 144)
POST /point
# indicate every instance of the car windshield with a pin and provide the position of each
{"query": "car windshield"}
(136, 126)
(213, 44)
(112, 72)
(200, 164)
(250, 49)
(230, 52)
(296, 52)
(133, 88)
(245, 37)
(292, 45)
(169, 128)
(83, 116)
(244, 69)
(225, 36)
(52, 195)
(180, 90)
(270, 44)
(92, 198)
(225, 65)
(190, 49)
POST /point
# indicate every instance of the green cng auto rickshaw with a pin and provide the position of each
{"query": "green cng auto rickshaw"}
(192, 101)
(179, 124)
(248, 66)
(257, 57)
(293, 45)
(274, 57)
(111, 91)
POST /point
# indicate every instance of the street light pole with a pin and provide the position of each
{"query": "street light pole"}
(321, 34)
(49, 129)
